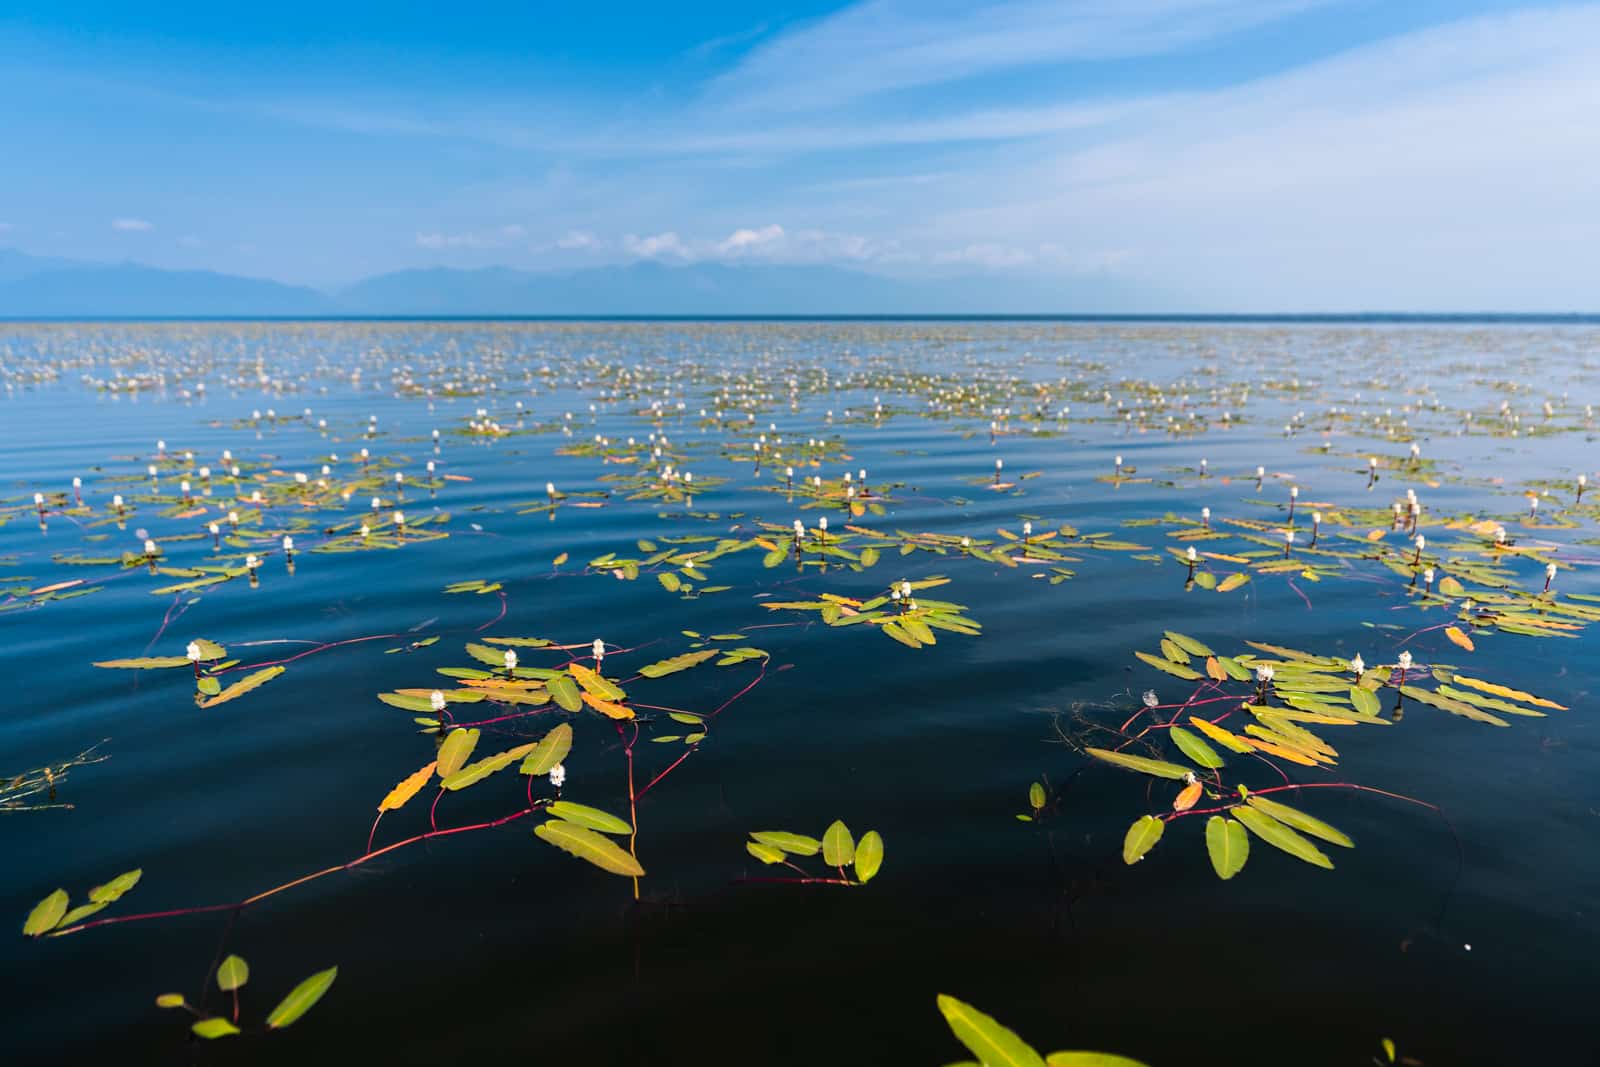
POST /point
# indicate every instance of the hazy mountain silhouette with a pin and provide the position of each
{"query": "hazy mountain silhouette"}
(33, 286)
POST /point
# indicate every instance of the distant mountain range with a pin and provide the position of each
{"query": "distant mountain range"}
(37, 287)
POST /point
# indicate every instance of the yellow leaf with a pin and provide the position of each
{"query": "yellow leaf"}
(592, 682)
(559, 560)
(1509, 694)
(408, 788)
(1283, 753)
(1227, 739)
(606, 707)
(1457, 637)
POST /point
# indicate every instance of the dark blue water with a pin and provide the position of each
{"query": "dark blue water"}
(1467, 939)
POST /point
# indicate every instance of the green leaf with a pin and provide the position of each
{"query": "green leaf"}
(243, 686)
(1228, 846)
(1177, 670)
(799, 844)
(838, 847)
(764, 853)
(677, 663)
(1280, 836)
(1202, 754)
(593, 818)
(301, 999)
(232, 973)
(170, 1000)
(494, 657)
(1364, 700)
(46, 914)
(1159, 768)
(587, 845)
(1141, 838)
(564, 691)
(669, 581)
(1090, 1059)
(81, 912)
(551, 750)
(214, 1027)
(1036, 796)
(473, 773)
(994, 1045)
(119, 885)
(869, 856)
(458, 745)
(1300, 821)
(1188, 644)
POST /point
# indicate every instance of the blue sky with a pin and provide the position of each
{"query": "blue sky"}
(1270, 154)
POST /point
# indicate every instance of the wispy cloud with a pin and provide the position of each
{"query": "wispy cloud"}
(885, 45)
(132, 225)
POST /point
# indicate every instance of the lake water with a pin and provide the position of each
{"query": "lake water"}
(1466, 935)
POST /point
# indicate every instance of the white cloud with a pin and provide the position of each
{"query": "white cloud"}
(660, 246)
(499, 237)
(132, 225)
(1442, 169)
(579, 241)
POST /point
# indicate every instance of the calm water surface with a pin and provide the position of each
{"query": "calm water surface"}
(1467, 941)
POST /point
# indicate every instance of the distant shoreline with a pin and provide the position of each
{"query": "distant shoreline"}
(1512, 318)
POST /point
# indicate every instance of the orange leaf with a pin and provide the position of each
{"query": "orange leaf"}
(606, 707)
(1214, 669)
(1456, 636)
(407, 789)
(1187, 798)
(52, 588)
(1375, 535)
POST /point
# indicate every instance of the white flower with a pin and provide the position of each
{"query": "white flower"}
(1288, 537)
(1358, 664)
(999, 463)
(215, 529)
(1316, 518)
(1294, 492)
(150, 548)
(1027, 529)
(1205, 513)
(822, 524)
(300, 477)
(1150, 698)
(1264, 672)
(966, 542)
(1405, 661)
(399, 478)
(1427, 576)
(436, 699)
(1119, 461)
(399, 518)
(1422, 542)
(193, 652)
(905, 588)
(511, 659)
(799, 529)
(1261, 472)
(599, 650)
(250, 562)
(38, 498)
(1549, 572)
(558, 775)
(1189, 554)
(288, 543)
